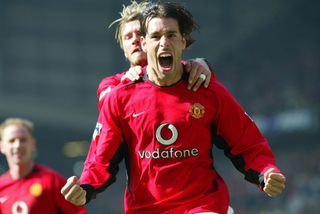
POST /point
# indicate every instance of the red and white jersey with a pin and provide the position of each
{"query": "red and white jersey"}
(39, 192)
(166, 135)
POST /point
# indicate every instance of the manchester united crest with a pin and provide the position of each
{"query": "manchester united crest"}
(196, 110)
(36, 189)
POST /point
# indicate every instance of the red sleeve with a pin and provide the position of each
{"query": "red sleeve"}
(64, 206)
(106, 149)
(240, 138)
(106, 85)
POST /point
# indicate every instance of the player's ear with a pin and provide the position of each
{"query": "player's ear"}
(184, 41)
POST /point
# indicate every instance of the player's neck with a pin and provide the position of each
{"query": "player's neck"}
(164, 80)
(19, 171)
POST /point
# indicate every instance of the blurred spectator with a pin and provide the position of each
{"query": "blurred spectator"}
(28, 187)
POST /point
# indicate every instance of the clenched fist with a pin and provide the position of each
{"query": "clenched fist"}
(274, 182)
(73, 192)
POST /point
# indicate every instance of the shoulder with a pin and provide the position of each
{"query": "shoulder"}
(124, 89)
(5, 177)
(111, 80)
(109, 84)
(121, 95)
(217, 87)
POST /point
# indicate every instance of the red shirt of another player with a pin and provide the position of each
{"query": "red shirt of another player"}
(37, 193)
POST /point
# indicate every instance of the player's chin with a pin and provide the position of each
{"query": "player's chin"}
(138, 56)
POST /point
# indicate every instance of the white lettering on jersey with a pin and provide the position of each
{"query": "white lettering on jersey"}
(171, 152)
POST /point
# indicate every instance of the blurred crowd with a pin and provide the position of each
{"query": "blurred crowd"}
(302, 169)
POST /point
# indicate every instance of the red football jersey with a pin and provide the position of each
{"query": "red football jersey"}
(108, 83)
(37, 193)
(166, 136)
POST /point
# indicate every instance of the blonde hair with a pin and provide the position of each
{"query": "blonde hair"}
(19, 122)
(129, 13)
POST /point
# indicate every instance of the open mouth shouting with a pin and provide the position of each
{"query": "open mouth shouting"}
(165, 61)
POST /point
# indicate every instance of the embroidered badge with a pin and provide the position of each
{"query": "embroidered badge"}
(197, 110)
(36, 189)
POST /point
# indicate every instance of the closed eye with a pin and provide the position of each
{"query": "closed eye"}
(128, 36)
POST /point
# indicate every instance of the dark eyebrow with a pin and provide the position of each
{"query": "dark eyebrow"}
(166, 32)
(154, 33)
(172, 31)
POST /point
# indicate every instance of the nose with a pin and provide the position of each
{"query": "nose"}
(135, 38)
(163, 41)
(17, 143)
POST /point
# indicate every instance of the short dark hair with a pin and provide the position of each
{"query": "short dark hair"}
(185, 20)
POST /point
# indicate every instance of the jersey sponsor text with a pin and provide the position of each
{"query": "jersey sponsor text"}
(169, 153)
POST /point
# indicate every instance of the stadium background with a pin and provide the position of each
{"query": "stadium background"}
(54, 53)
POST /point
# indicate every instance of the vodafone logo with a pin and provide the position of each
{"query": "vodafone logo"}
(173, 130)
(170, 152)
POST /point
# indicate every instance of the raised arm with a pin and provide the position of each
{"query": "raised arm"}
(197, 68)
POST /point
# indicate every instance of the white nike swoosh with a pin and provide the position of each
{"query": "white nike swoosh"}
(3, 199)
(138, 114)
